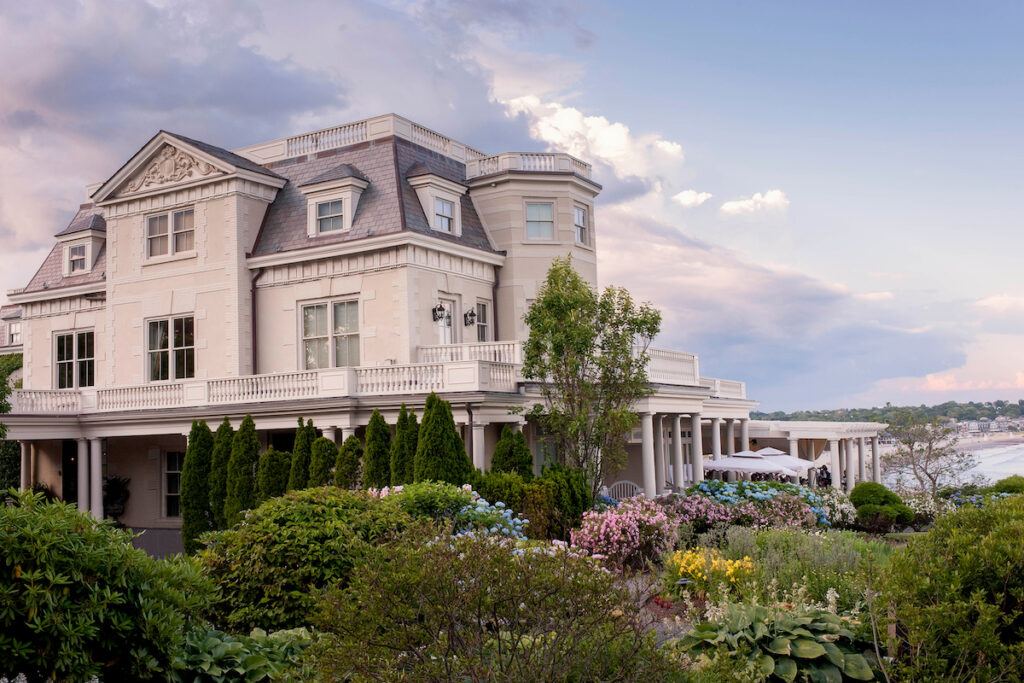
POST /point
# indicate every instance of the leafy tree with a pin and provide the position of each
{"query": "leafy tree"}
(377, 457)
(588, 354)
(926, 454)
(196, 517)
(10, 454)
(346, 466)
(222, 440)
(272, 474)
(245, 449)
(511, 454)
(324, 453)
(440, 451)
(403, 448)
(301, 454)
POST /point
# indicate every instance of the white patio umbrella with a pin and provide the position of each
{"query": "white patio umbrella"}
(747, 462)
(786, 460)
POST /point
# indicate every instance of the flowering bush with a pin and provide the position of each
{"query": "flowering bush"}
(700, 512)
(629, 535)
(838, 509)
(706, 572)
(926, 507)
(760, 504)
(469, 512)
(483, 517)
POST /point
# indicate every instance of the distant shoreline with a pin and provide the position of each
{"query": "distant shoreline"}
(994, 441)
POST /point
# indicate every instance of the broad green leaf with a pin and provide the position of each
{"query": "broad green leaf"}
(834, 654)
(857, 668)
(780, 646)
(805, 648)
(766, 664)
(785, 668)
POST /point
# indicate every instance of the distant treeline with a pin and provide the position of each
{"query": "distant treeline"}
(893, 414)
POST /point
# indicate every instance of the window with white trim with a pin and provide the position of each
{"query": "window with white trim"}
(540, 221)
(171, 348)
(329, 216)
(444, 215)
(579, 219)
(76, 259)
(170, 233)
(75, 360)
(14, 334)
(483, 322)
(173, 463)
(330, 334)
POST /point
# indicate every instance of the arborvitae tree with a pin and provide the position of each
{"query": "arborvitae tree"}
(440, 452)
(323, 454)
(346, 466)
(377, 457)
(403, 448)
(272, 474)
(219, 472)
(245, 452)
(195, 486)
(299, 477)
(511, 454)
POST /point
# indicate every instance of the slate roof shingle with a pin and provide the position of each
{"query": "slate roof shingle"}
(85, 219)
(337, 173)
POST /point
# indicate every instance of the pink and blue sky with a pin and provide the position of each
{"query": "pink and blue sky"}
(822, 198)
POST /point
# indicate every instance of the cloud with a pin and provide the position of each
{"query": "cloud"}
(689, 199)
(876, 296)
(1001, 304)
(772, 200)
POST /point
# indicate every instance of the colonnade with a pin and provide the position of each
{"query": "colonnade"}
(848, 461)
(656, 456)
(90, 473)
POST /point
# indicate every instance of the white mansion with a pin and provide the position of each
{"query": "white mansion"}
(325, 275)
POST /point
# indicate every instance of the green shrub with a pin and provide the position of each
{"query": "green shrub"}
(245, 448)
(572, 497)
(1014, 484)
(272, 474)
(870, 493)
(440, 452)
(346, 465)
(323, 454)
(878, 508)
(431, 500)
(403, 448)
(507, 487)
(301, 455)
(957, 594)
(538, 506)
(212, 656)
(808, 643)
(78, 602)
(512, 454)
(472, 609)
(196, 518)
(270, 566)
(222, 441)
(377, 456)
(10, 465)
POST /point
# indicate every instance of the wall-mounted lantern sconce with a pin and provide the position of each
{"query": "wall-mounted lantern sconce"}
(469, 318)
(438, 312)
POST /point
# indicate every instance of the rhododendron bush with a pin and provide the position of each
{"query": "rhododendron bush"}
(630, 535)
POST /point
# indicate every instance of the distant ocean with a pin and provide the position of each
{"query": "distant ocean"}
(997, 462)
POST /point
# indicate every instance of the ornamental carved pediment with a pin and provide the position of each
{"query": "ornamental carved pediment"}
(170, 166)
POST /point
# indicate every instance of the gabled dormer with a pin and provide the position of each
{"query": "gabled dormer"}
(440, 198)
(82, 242)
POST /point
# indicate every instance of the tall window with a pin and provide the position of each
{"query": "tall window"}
(181, 238)
(483, 322)
(76, 360)
(172, 483)
(329, 216)
(14, 333)
(76, 259)
(580, 221)
(171, 346)
(444, 215)
(540, 221)
(330, 335)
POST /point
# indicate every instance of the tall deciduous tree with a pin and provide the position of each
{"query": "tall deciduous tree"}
(323, 454)
(10, 454)
(301, 454)
(272, 474)
(346, 466)
(927, 454)
(403, 448)
(512, 454)
(440, 451)
(245, 451)
(588, 354)
(222, 439)
(196, 517)
(377, 457)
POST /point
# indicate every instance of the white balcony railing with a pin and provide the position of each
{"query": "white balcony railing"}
(541, 162)
(496, 352)
(57, 402)
(724, 388)
(672, 367)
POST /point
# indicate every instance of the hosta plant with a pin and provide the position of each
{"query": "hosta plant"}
(807, 644)
(211, 656)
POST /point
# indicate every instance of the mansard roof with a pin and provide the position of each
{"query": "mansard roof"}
(10, 312)
(337, 173)
(51, 276)
(86, 219)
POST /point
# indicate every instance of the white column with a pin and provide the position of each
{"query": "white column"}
(876, 464)
(696, 449)
(678, 477)
(83, 476)
(833, 463)
(716, 438)
(659, 453)
(851, 466)
(862, 464)
(26, 467)
(745, 435)
(33, 464)
(479, 446)
(730, 436)
(647, 454)
(794, 447)
(347, 432)
(96, 478)
(329, 433)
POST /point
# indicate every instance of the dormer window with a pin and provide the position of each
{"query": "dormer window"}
(76, 259)
(180, 239)
(580, 222)
(329, 216)
(444, 215)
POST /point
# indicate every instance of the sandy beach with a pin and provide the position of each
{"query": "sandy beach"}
(979, 443)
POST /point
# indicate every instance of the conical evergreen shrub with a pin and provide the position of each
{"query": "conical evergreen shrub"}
(324, 453)
(272, 474)
(245, 449)
(403, 448)
(301, 454)
(440, 452)
(512, 454)
(377, 456)
(346, 466)
(219, 472)
(196, 518)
